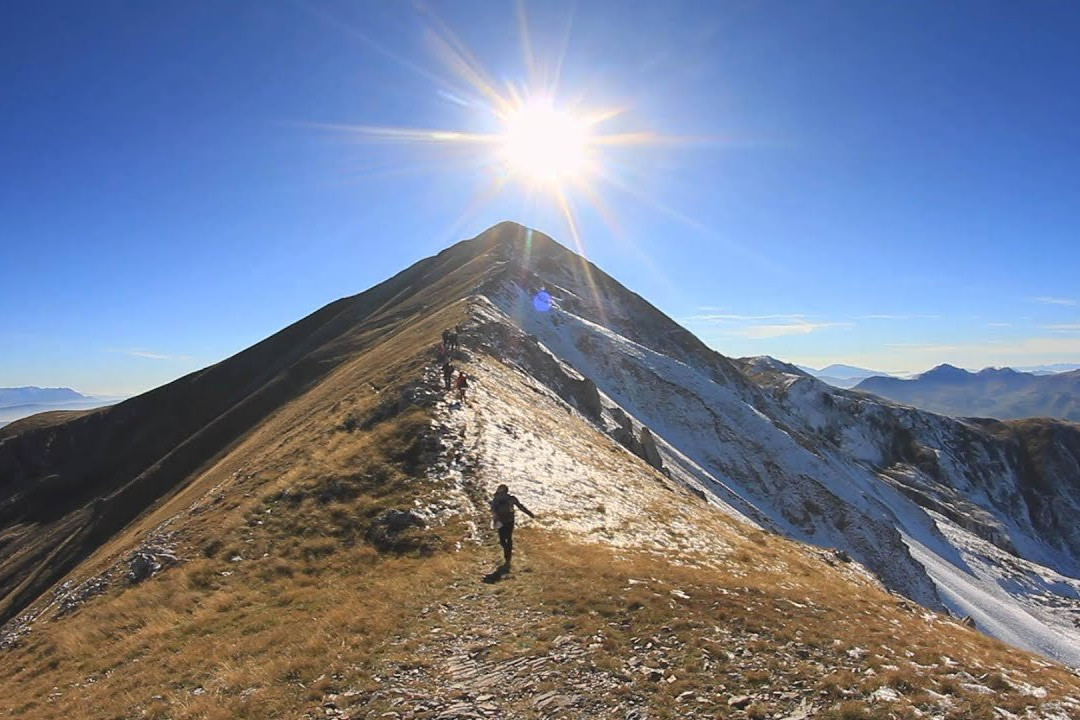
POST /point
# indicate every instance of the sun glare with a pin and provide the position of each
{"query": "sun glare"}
(559, 153)
(544, 145)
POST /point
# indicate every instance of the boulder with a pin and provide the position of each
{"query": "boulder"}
(141, 566)
(386, 532)
(649, 451)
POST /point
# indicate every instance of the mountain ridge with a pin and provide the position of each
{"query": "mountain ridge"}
(34, 395)
(1002, 393)
(629, 436)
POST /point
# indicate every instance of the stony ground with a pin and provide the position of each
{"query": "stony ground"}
(641, 647)
(630, 598)
(487, 651)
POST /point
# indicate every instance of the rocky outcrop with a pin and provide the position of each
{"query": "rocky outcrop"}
(390, 531)
(643, 444)
(649, 451)
(525, 351)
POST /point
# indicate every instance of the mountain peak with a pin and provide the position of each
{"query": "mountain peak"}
(514, 236)
(998, 372)
(644, 453)
(944, 371)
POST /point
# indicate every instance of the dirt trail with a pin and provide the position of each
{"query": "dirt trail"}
(515, 649)
(482, 660)
(474, 653)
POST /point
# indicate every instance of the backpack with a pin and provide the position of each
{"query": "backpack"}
(502, 508)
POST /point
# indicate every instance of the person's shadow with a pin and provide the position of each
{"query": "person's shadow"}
(499, 573)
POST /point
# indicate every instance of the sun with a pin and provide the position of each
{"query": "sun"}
(544, 145)
(527, 136)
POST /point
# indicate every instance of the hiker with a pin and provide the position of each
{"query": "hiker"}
(446, 337)
(502, 517)
(461, 385)
(448, 374)
(453, 341)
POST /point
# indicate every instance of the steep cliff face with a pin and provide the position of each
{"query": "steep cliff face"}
(969, 515)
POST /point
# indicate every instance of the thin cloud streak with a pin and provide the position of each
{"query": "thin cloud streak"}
(886, 316)
(764, 332)
(760, 327)
(1037, 350)
(722, 317)
(1054, 300)
(151, 355)
(715, 314)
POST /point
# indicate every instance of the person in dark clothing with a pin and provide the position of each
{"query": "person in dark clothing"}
(502, 516)
(448, 374)
(461, 385)
(446, 338)
(453, 340)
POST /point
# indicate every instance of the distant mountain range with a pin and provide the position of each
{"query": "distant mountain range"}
(848, 376)
(1049, 369)
(844, 376)
(9, 397)
(1003, 393)
(19, 402)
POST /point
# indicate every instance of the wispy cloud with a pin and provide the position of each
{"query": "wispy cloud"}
(999, 325)
(801, 327)
(716, 317)
(1064, 327)
(887, 316)
(760, 327)
(999, 353)
(152, 355)
(1054, 300)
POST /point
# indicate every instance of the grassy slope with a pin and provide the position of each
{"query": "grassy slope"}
(310, 612)
(136, 453)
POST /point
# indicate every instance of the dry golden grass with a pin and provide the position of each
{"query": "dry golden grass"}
(251, 627)
(281, 632)
(280, 601)
(215, 637)
(725, 634)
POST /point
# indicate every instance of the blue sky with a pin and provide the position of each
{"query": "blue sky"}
(892, 185)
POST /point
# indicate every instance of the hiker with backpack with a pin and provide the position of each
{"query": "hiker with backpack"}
(448, 374)
(461, 385)
(502, 519)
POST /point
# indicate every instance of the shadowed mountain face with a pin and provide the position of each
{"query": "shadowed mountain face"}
(939, 509)
(998, 393)
(67, 484)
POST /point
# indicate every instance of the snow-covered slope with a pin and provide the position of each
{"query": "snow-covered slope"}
(946, 512)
